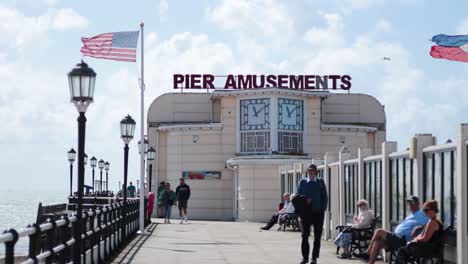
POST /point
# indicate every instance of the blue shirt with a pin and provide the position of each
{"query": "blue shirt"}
(316, 191)
(413, 220)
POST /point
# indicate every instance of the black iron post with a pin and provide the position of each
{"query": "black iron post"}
(100, 182)
(71, 179)
(149, 175)
(94, 184)
(107, 181)
(79, 207)
(124, 190)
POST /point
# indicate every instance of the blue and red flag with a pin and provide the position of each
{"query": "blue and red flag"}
(119, 46)
(450, 47)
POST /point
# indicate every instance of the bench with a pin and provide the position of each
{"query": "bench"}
(360, 237)
(54, 212)
(292, 221)
(438, 255)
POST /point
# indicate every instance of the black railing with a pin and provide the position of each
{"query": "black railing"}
(105, 231)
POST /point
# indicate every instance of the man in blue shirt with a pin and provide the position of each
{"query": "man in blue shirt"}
(402, 234)
(315, 192)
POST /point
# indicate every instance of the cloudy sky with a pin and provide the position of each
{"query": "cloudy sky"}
(41, 40)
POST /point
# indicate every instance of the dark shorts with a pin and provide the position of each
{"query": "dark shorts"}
(182, 204)
(394, 242)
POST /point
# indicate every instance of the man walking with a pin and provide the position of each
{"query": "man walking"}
(183, 194)
(132, 190)
(313, 189)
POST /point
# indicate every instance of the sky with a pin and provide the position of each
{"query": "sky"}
(40, 43)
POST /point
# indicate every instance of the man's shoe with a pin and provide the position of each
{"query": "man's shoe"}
(344, 256)
(364, 256)
(313, 261)
(304, 261)
(264, 228)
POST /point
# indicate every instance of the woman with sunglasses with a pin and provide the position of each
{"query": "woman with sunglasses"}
(363, 220)
(429, 239)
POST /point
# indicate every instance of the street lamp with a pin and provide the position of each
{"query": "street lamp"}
(81, 80)
(101, 166)
(138, 186)
(107, 166)
(127, 129)
(93, 165)
(145, 146)
(71, 159)
(150, 156)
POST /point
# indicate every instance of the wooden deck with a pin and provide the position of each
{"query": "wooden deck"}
(213, 242)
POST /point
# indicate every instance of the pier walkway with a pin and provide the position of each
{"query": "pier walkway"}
(210, 242)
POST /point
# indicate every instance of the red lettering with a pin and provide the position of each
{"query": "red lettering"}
(230, 82)
(195, 81)
(334, 78)
(208, 81)
(282, 81)
(346, 82)
(309, 82)
(177, 79)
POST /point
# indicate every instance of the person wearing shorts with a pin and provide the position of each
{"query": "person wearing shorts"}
(183, 195)
(392, 241)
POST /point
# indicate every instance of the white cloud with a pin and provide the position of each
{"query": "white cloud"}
(462, 29)
(24, 30)
(67, 18)
(347, 6)
(163, 9)
(255, 17)
(328, 37)
(184, 53)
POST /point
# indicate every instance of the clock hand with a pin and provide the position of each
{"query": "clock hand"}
(261, 109)
(255, 111)
(290, 112)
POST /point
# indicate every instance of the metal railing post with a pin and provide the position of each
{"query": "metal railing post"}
(10, 247)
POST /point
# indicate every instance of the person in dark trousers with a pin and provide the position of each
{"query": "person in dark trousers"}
(183, 194)
(315, 192)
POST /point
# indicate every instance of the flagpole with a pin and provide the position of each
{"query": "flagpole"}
(142, 135)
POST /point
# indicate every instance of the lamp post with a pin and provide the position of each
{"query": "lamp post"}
(127, 129)
(93, 165)
(107, 166)
(138, 186)
(71, 159)
(144, 146)
(151, 155)
(101, 166)
(81, 80)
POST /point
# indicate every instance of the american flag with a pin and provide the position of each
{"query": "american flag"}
(119, 46)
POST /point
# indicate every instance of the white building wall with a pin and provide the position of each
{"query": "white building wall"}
(259, 186)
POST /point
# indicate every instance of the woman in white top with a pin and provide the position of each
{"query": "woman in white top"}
(362, 220)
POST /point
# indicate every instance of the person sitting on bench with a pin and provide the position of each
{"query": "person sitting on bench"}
(392, 241)
(363, 220)
(428, 241)
(288, 208)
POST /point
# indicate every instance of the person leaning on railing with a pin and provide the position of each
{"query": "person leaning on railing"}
(429, 239)
(362, 220)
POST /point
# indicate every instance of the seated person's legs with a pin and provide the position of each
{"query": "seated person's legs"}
(402, 255)
(271, 223)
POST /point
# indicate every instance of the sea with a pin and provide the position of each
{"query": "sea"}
(18, 208)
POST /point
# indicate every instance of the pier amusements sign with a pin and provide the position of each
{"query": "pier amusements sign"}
(252, 81)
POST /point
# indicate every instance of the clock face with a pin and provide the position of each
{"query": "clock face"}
(290, 114)
(255, 114)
